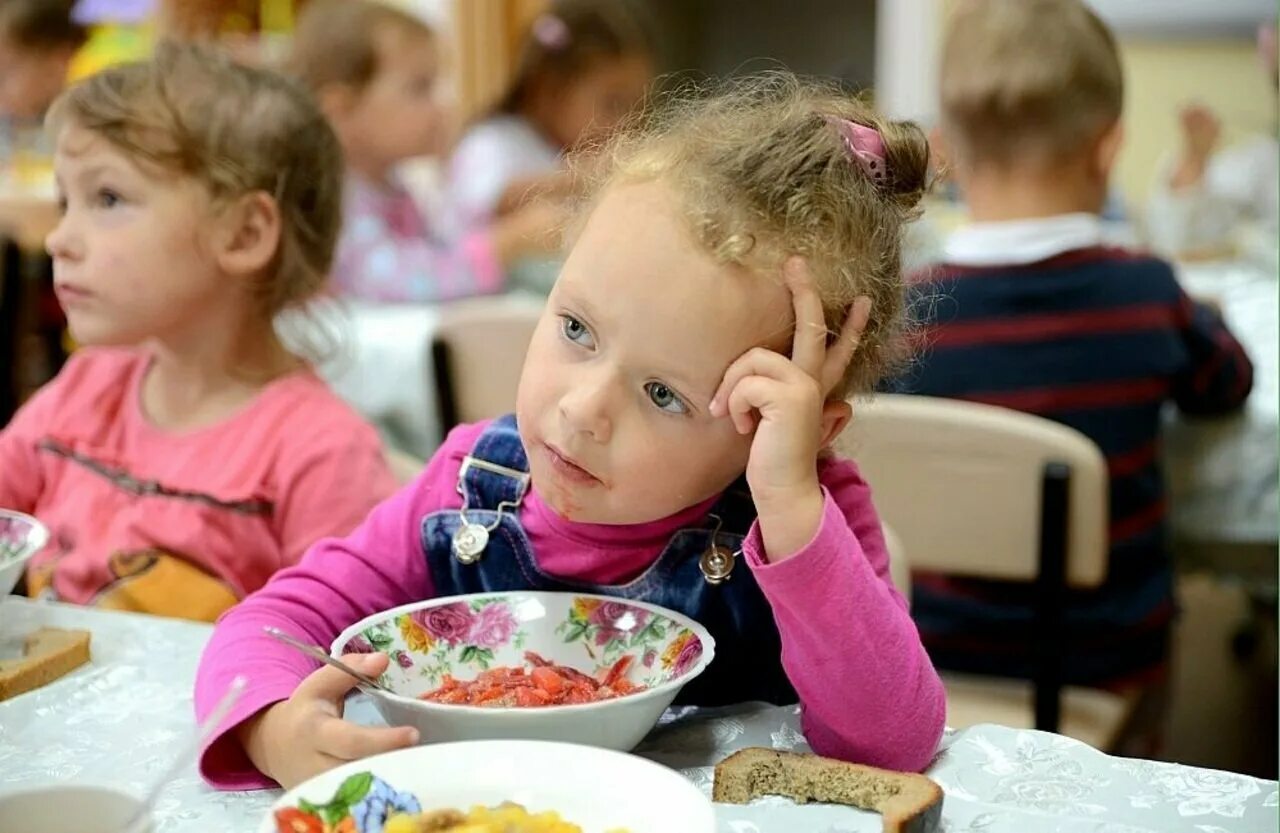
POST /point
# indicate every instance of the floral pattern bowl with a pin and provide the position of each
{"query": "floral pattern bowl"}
(462, 636)
(21, 536)
(597, 790)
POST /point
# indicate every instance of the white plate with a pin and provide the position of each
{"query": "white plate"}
(596, 789)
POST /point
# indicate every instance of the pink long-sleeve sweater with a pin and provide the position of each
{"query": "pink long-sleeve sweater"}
(868, 690)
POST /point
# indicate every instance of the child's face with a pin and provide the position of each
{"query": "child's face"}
(399, 114)
(127, 253)
(590, 106)
(637, 335)
(30, 79)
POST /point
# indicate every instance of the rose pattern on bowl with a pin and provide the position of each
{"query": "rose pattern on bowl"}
(19, 535)
(465, 637)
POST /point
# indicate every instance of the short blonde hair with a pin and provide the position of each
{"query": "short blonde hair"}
(336, 41)
(235, 129)
(1027, 80)
(762, 174)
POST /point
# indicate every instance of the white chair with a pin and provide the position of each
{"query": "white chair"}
(477, 353)
(983, 492)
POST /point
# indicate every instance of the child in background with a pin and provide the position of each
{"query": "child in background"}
(183, 454)
(1201, 199)
(584, 66)
(736, 278)
(1031, 311)
(375, 70)
(38, 40)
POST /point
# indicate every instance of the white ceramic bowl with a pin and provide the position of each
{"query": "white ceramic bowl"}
(463, 635)
(597, 789)
(21, 536)
(68, 808)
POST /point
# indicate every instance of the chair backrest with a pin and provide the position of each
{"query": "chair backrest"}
(962, 483)
(477, 354)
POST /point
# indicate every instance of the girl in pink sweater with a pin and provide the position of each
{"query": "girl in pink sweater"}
(735, 279)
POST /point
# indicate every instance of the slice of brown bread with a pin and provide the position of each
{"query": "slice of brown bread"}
(909, 803)
(48, 653)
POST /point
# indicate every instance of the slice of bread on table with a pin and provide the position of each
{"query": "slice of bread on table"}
(909, 803)
(47, 654)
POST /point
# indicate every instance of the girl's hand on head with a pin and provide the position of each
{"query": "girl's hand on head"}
(785, 401)
(305, 735)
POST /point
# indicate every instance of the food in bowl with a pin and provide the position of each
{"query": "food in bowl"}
(598, 790)
(546, 684)
(365, 803)
(465, 636)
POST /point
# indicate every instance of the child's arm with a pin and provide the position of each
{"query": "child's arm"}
(849, 647)
(340, 581)
(867, 687)
(1218, 375)
(21, 475)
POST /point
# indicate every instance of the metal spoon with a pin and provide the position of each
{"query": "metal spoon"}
(315, 652)
(140, 820)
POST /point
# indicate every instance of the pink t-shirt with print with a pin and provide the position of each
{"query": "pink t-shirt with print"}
(181, 523)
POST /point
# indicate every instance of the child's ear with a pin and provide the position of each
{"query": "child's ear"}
(1107, 149)
(836, 414)
(249, 234)
(337, 101)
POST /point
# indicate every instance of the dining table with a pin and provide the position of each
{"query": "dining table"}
(120, 720)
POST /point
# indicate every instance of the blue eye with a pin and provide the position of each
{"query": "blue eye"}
(665, 398)
(576, 331)
(107, 198)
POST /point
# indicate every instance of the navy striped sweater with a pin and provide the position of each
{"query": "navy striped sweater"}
(1098, 339)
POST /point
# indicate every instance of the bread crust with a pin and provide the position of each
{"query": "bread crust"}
(907, 802)
(48, 653)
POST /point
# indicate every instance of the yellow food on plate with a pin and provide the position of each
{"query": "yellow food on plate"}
(506, 818)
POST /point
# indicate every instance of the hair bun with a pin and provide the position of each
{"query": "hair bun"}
(907, 152)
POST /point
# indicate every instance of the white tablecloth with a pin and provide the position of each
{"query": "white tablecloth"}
(118, 721)
(1223, 471)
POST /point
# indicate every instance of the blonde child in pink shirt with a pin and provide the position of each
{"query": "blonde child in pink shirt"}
(184, 454)
(735, 278)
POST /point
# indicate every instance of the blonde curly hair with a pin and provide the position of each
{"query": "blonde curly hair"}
(761, 174)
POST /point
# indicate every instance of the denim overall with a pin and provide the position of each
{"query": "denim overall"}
(747, 664)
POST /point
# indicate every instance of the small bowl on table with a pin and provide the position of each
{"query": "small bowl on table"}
(21, 536)
(464, 636)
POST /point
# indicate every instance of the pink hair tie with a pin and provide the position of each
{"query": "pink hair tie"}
(865, 146)
(551, 32)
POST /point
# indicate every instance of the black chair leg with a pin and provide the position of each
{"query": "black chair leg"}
(1051, 596)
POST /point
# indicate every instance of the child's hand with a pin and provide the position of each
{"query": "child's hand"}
(306, 735)
(1200, 133)
(785, 401)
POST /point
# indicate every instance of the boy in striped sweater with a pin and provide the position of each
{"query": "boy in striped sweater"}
(1029, 310)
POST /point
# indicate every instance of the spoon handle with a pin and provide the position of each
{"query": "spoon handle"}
(140, 817)
(315, 653)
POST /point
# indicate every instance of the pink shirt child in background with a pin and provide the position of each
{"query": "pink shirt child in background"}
(185, 453)
(181, 523)
(374, 69)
